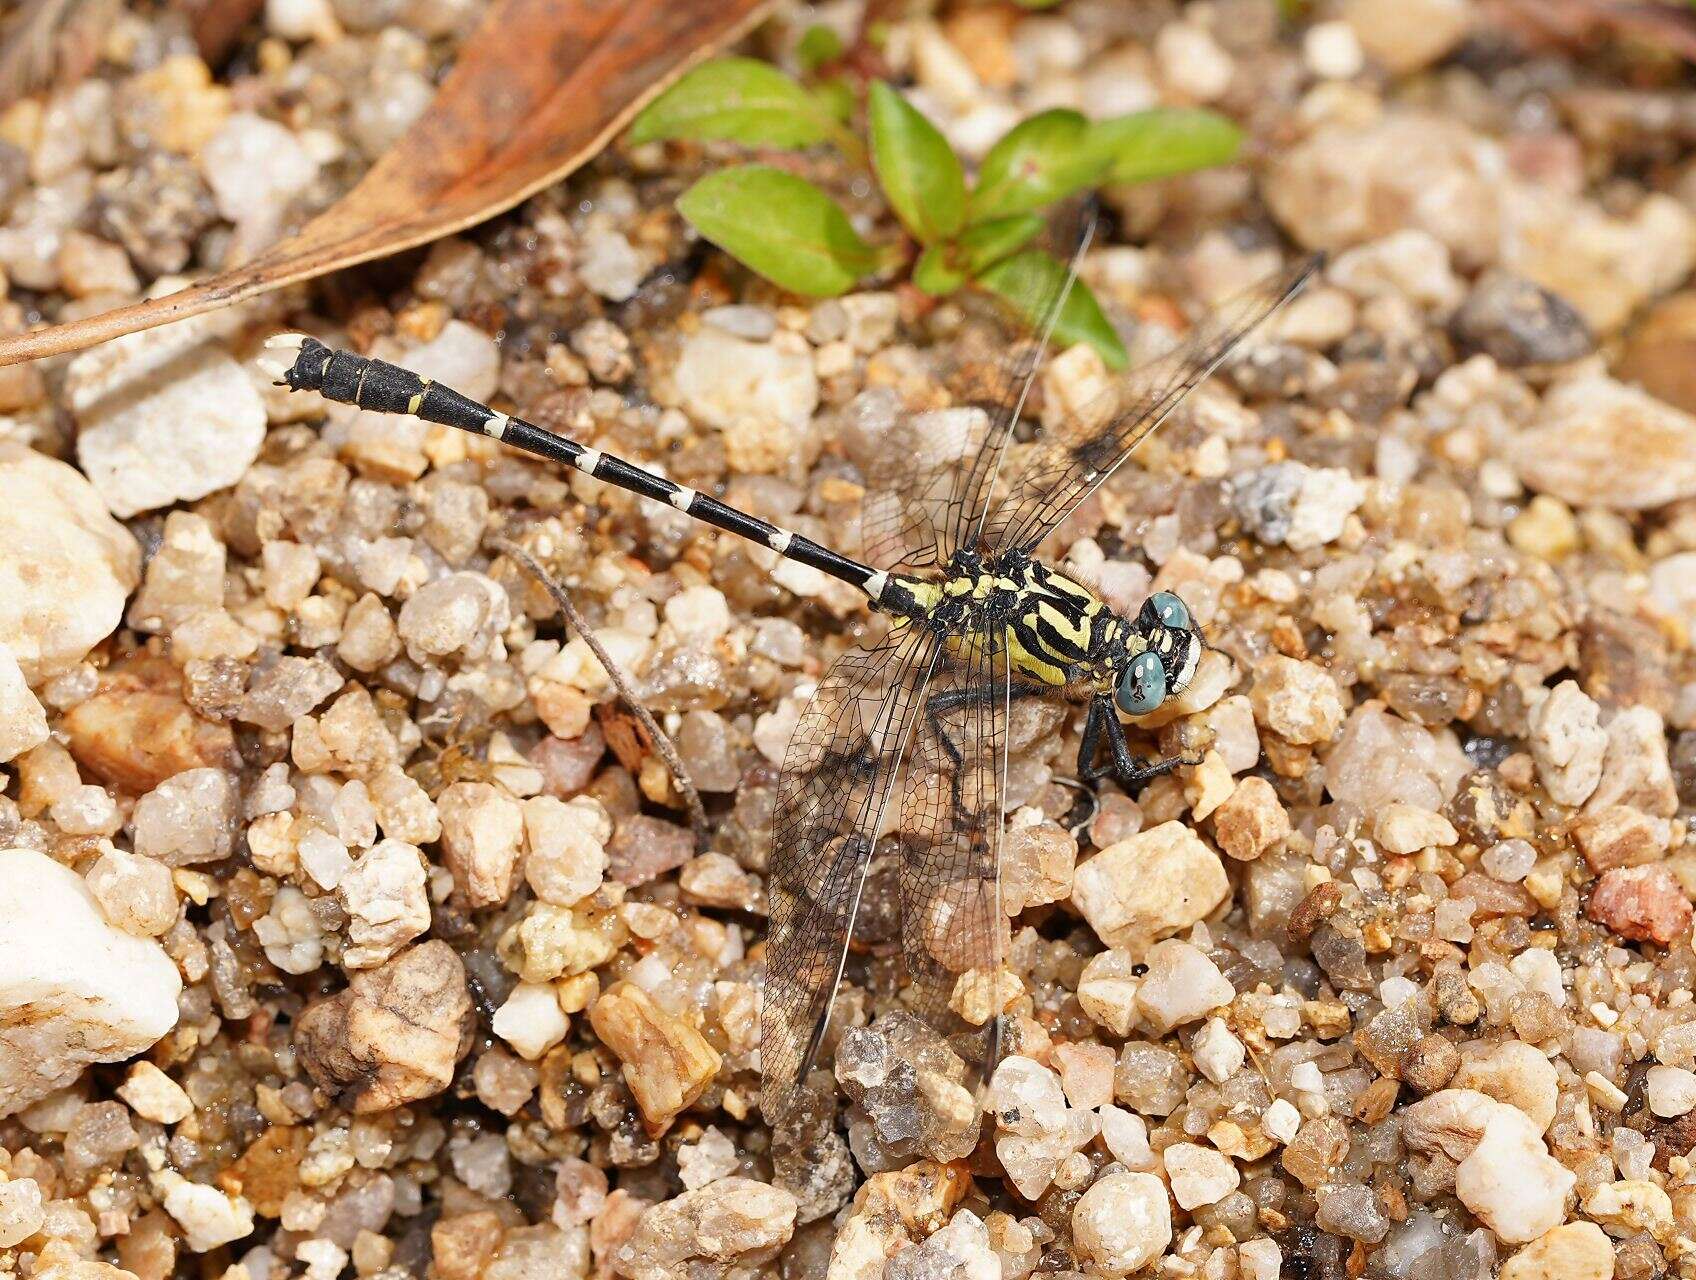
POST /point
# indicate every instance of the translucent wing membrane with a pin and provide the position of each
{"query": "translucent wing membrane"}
(928, 487)
(910, 486)
(931, 710)
(838, 772)
(954, 933)
(1026, 342)
(1065, 464)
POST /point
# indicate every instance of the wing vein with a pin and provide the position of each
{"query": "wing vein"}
(835, 786)
(997, 449)
(1069, 462)
(952, 919)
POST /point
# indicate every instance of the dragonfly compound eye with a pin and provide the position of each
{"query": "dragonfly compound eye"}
(1171, 611)
(1143, 686)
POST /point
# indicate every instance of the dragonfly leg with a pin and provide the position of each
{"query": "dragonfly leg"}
(951, 700)
(1123, 767)
(1087, 803)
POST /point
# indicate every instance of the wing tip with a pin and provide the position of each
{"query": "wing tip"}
(781, 1100)
(776, 1102)
(782, 1090)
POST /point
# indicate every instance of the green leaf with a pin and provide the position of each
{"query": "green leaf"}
(836, 99)
(988, 242)
(818, 45)
(918, 170)
(781, 226)
(936, 273)
(1037, 162)
(736, 99)
(1029, 280)
(1164, 141)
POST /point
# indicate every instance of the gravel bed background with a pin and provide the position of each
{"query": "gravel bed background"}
(383, 928)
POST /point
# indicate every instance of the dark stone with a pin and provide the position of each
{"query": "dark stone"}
(1520, 323)
(1623, 661)
(1369, 388)
(1343, 958)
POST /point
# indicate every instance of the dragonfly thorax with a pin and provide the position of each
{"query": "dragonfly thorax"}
(1059, 632)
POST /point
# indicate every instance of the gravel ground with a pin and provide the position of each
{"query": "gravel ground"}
(349, 926)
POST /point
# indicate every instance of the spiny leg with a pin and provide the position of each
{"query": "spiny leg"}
(951, 700)
(1123, 767)
(1087, 801)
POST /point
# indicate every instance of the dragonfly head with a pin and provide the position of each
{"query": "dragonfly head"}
(1167, 663)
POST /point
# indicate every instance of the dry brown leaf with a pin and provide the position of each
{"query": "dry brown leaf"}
(538, 89)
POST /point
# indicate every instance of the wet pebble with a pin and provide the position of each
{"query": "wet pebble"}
(65, 565)
(99, 994)
(1149, 885)
(161, 422)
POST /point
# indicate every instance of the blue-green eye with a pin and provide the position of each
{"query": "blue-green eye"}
(1171, 611)
(1143, 686)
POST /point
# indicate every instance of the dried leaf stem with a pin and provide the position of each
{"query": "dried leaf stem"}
(621, 682)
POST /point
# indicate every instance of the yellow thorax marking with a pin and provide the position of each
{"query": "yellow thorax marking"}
(1077, 632)
(926, 593)
(1036, 596)
(1026, 663)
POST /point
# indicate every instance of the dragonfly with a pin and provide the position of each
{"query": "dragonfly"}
(909, 732)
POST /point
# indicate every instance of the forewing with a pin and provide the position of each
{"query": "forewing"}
(954, 933)
(837, 773)
(910, 487)
(930, 475)
(998, 382)
(1066, 464)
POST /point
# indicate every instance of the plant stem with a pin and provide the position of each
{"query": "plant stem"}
(662, 744)
(848, 143)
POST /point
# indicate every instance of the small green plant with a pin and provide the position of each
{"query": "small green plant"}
(961, 232)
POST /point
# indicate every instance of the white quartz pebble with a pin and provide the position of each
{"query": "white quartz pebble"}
(73, 989)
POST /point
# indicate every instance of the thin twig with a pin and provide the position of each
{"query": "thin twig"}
(662, 743)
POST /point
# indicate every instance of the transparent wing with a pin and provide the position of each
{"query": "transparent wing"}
(1064, 465)
(1002, 396)
(928, 487)
(837, 773)
(954, 933)
(910, 487)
